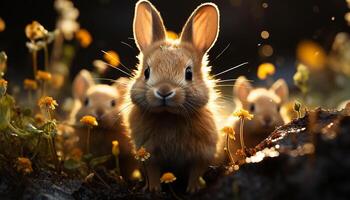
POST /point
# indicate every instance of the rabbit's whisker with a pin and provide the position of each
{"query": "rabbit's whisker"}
(116, 60)
(223, 51)
(232, 68)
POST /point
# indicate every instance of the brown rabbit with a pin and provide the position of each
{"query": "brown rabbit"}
(172, 113)
(103, 102)
(264, 104)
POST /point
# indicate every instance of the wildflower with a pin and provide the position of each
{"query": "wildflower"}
(115, 148)
(243, 114)
(84, 37)
(115, 152)
(230, 134)
(2, 25)
(265, 69)
(30, 84)
(311, 54)
(3, 86)
(24, 165)
(89, 120)
(301, 78)
(43, 75)
(142, 154)
(68, 15)
(48, 103)
(172, 35)
(167, 177)
(112, 58)
(35, 31)
(229, 131)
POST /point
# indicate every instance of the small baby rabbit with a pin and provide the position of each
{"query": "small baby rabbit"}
(172, 113)
(104, 103)
(264, 104)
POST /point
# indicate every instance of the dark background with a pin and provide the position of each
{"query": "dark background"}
(110, 23)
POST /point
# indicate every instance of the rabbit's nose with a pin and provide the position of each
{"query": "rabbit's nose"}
(267, 121)
(99, 113)
(164, 92)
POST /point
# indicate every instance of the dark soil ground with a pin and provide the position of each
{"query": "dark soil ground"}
(308, 158)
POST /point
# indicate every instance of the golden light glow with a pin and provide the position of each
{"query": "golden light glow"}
(266, 50)
(112, 58)
(265, 34)
(172, 35)
(84, 37)
(311, 54)
(2, 25)
(266, 69)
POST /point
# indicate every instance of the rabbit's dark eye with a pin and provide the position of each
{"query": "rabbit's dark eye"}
(147, 72)
(252, 107)
(113, 103)
(188, 74)
(86, 102)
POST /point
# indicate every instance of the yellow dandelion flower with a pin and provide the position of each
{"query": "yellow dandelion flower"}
(265, 69)
(167, 177)
(43, 75)
(89, 120)
(2, 25)
(115, 148)
(229, 131)
(30, 84)
(35, 31)
(243, 114)
(172, 35)
(112, 58)
(142, 154)
(84, 37)
(24, 165)
(47, 103)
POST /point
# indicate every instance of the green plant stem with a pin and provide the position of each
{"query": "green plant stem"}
(88, 140)
(117, 164)
(36, 151)
(53, 152)
(228, 148)
(146, 174)
(35, 64)
(46, 52)
(241, 133)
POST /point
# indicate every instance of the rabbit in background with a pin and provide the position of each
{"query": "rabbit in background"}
(104, 103)
(173, 114)
(264, 104)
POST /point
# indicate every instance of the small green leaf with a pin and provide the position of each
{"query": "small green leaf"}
(99, 160)
(72, 164)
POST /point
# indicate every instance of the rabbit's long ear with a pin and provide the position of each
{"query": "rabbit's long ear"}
(82, 82)
(242, 88)
(148, 25)
(280, 87)
(202, 28)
